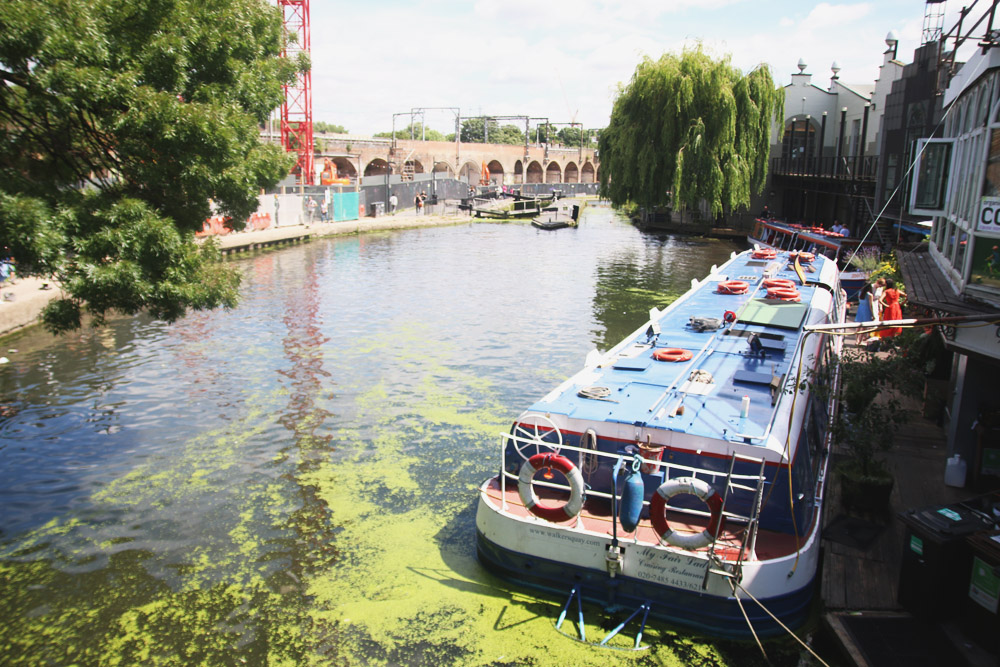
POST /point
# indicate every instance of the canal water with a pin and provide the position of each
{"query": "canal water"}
(294, 481)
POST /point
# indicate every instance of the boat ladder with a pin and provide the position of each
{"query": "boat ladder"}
(715, 565)
(576, 593)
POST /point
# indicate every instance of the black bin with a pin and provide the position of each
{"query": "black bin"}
(934, 573)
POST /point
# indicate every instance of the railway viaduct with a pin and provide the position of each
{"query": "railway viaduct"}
(507, 165)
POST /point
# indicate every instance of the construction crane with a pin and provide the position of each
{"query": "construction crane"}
(296, 111)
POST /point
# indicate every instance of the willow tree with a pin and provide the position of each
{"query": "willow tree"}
(120, 121)
(687, 130)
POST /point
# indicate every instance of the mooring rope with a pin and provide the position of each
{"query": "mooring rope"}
(776, 620)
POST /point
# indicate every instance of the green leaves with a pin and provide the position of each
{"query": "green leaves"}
(119, 121)
(687, 130)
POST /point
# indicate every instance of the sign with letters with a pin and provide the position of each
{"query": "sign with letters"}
(989, 215)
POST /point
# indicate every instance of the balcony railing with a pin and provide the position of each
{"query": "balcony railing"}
(849, 167)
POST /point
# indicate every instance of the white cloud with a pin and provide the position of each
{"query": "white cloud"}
(558, 58)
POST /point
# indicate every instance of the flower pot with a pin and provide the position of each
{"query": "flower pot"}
(865, 493)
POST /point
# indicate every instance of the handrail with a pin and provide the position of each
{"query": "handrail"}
(734, 480)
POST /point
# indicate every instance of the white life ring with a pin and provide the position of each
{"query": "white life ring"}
(554, 513)
(695, 487)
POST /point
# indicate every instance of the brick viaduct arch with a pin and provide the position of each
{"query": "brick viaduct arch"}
(507, 165)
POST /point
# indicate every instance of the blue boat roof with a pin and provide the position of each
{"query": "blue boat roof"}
(728, 387)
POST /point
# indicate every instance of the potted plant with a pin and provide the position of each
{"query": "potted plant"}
(865, 424)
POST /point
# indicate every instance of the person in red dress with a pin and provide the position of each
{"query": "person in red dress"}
(891, 309)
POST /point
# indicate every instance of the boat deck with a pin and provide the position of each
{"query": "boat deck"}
(723, 368)
(596, 518)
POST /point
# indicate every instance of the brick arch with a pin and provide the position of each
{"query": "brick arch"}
(534, 173)
(496, 172)
(377, 167)
(443, 168)
(553, 174)
(345, 168)
(518, 171)
(587, 174)
(571, 174)
(418, 167)
(471, 172)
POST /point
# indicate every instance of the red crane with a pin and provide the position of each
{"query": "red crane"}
(296, 111)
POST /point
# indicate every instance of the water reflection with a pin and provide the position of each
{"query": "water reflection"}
(294, 480)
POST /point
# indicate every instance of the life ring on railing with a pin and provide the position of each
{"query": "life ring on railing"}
(525, 488)
(672, 354)
(783, 283)
(802, 256)
(783, 293)
(764, 253)
(733, 287)
(695, 487)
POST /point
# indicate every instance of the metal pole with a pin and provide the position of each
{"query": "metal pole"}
(864, 138)
(822, 138)
(840, 141)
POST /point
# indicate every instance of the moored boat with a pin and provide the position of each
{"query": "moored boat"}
(816, 240)
(682, 472)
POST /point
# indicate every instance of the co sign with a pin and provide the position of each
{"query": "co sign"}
(989, 215)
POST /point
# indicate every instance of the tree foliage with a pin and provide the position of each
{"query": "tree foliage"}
(475, 130)
(323, 126)
(687, 130)
(121, 121)
(415, 131)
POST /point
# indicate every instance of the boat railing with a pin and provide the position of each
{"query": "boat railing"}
(734, 482)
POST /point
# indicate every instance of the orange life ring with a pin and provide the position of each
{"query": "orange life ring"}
(695, 487)
(733, 287)
(729, 316)
(764, 253)
(555, 513)
(672, 354)
(783, 293)
(783, 283)
(804, 257)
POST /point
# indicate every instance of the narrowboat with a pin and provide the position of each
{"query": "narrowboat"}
(680, 475)
(816, 240)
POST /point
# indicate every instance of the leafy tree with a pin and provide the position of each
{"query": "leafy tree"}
(689, 129)
(321, 126)
(120, 120)
(415, 131)
(474, 130)
(507, 134)
(571, 136)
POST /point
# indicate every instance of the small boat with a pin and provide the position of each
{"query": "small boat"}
(681, 473)
(816, 240)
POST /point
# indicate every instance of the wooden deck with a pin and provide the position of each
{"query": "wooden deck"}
(867, 578)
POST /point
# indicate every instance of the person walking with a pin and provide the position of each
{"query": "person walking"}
(866, 309)
(891, 308)
(393, 202)
(418, 203)
(311, 206)
(323, 210)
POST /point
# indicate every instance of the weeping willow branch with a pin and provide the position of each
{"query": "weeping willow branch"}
(689, 129)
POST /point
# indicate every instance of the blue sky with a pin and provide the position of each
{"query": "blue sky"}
(564, 59)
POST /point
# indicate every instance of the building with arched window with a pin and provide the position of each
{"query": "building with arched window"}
(825, 165)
